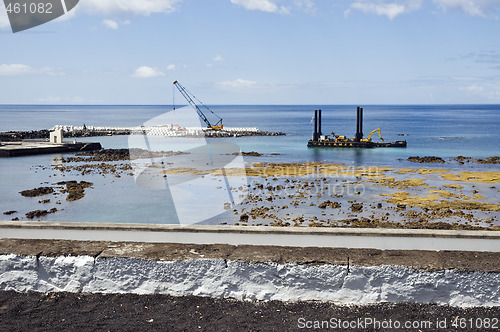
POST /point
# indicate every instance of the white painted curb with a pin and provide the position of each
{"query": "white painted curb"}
(249, 281)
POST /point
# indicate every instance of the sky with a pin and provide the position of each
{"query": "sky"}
(257, 52)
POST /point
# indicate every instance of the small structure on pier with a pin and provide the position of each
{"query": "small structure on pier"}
(56, 136)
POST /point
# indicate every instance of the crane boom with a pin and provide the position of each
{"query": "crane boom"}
(191, 102)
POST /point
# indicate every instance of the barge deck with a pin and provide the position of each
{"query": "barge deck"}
(323, 141)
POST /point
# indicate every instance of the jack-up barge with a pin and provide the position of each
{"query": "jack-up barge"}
(323, 141)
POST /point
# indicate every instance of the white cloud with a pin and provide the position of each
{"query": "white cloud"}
(268, 6)
(68, 16)
(383, 8)
(147, 72)
(485, 89)
(21, 69)
(49, 71)
(305, 5)
(470, 7)
(490, 58)
(110, 24)
(238, 83)
(171, 67)
(50, 100)
(473, 88)
(464, 78)
(15, 69)
(137, 7)
(218, 58)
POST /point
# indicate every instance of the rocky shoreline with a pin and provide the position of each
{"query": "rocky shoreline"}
(314, 194)
(120, 154)
(16, 136)
(75, 190)
(461, 160)
(330, 195)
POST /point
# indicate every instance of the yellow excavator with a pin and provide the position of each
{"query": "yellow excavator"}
(338, 138)
(369, 138)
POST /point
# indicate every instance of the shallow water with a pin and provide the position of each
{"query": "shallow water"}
(441, 130)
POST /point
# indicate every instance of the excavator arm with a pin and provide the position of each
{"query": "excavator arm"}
(369, 138)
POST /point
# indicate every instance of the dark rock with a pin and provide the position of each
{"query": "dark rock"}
(37, 192)
(8, 213)
(427, 159)
(20, 135)
(74, 189)
(39, 213)
(357, 207)
(250, 154)
(119, 155)
(333, 205)
(489, 160)
(461, 159)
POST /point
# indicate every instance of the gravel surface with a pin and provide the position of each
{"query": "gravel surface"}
(129, 312)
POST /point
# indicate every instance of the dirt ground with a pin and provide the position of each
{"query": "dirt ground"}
(129, 312)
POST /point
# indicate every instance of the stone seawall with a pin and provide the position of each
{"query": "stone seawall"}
(344, 276)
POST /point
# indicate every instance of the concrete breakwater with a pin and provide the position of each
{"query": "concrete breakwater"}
(167, 130)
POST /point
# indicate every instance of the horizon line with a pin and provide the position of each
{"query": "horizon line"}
(183, 105)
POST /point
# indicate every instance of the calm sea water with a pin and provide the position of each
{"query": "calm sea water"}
(439, 130)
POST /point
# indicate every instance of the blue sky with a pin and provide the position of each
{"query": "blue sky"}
(257, 52)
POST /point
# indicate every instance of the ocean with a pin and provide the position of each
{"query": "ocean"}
(446, 131)
(440, 130)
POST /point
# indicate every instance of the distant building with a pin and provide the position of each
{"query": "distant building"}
(56, 136)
